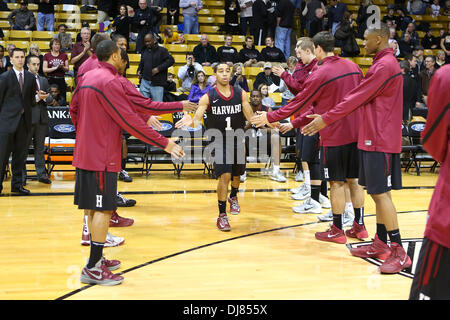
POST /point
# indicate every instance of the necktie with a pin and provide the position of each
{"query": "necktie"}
(37, 83)
(21, 81)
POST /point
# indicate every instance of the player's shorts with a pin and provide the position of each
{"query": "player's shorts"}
(233, 163)
(95, 190)
(379, 172)
(310, 148)
(432, 279)
(340, 162)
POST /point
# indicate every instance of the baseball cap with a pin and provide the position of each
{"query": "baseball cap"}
(267, 65)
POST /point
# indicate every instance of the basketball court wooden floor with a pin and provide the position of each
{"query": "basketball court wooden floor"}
(174, 250)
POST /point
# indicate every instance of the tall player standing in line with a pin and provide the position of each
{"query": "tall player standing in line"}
(99, 111)
(431, 280)
(379, 98)
(227, 108)
(324, 88)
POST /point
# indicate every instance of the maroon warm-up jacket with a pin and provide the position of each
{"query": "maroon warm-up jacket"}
(100, 109)
(436, 140)
(295, 81)
(379, 98)
(325, 87)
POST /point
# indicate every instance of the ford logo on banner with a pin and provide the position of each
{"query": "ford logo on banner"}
(165, 126)
(418, 127)
(190, 129)
(64, 128)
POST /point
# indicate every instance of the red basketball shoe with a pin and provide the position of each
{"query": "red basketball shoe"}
(222, 222)
(100, 274)
(378, 249)
(118, 221)
(397, 261)
(234, 205)
(357, 231)
(111, 264)
(334, 234)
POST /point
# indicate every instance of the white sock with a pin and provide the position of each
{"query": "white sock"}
(307, 178)
(276, 168)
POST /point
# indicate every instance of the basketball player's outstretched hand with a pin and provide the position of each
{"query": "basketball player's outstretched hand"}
(259, 119)
(314, 126)
(175, 150)
(286, 127)
(154, 122)
(189, 106)
(185, 122)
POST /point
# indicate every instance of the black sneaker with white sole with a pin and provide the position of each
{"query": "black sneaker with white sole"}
(124, 202)
(124, 176)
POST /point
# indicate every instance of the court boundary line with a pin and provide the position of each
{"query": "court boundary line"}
(48, 194)
(74, 292)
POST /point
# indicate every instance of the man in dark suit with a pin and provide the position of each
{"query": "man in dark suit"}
(39, 120)
(17, 98)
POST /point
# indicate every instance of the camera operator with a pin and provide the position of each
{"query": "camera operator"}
(186, 73)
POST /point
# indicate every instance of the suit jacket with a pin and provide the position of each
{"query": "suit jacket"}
(39, 113)
(12, 101)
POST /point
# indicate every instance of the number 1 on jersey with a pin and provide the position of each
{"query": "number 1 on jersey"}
(228, 120)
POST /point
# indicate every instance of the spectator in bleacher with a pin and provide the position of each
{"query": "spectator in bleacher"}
(405, 45)
(227, 53)
(394, 45)
(390, 16)
(106, 9)
(92, 61)
(316, 25)
(143, 22)
(413, 70)
(416, 7)
(186, 73)
(411, 91)
(411, 29)
(249, 55)
(435, 8)
(170, 85)
(310, 12)
(446, 8)
(335, 14)
(440, 59)
(85, 25)
(190, 15)
(238, 79)
(87, 5)
(204, 52)
(9, 48)
(122, 23)
(156, 6)
(45, 19)
(81, 50)
(5, 63)
(393, 34)
(64, 38)
(418, 52)
(173, 12)
(429, 41)
(58, 98)
(271, 53)
(266, 100)
(426, 75)
(346, 35)
(122, 42)
(246, 15)
(284, 12)
(402, 20)
(56, 64)
(363, 15)
(271, 17)
(171, 37)
(199, 86)
(288, 95)
(231, 25)
(34, 50)
(152, 70)
(259, 21)
(445, 44)
(22, 19)
(267, 77)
